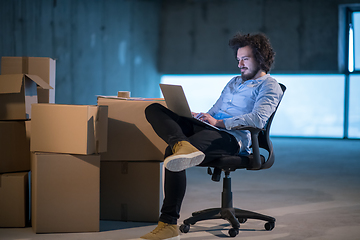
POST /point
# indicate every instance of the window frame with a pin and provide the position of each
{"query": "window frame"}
(345, 19)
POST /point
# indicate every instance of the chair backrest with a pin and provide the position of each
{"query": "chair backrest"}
(264, 138)
(254, 161)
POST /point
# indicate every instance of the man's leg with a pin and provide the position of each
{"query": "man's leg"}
(214, 143)
(169, 126)
(174, 130)
(174, 187)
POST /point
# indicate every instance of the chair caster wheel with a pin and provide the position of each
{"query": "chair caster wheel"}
(269, 226)
(233, 232)
(242, 220)
(184, 228)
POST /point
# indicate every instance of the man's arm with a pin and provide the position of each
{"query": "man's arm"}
(267, 100)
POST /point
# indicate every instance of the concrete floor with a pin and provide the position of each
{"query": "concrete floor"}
(312, 190)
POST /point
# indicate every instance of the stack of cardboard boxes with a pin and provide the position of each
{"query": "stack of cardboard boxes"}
(58, 145)
(86, 162)
(19, 84)
(131, 169)
(65, 163)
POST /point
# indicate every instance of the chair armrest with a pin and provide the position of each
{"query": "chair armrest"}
(250, 128)
(254, 131)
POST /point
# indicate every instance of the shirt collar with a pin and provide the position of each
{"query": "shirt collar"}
(258, 79)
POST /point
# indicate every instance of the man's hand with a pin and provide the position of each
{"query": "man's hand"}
(208, 118)
(194, 114)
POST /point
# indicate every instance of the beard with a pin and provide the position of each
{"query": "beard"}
(250, 75)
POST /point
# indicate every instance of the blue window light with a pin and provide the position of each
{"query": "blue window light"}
(354, 108)
(313, 105)
(356, 40)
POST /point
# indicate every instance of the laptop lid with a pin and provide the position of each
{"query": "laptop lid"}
(175, 99)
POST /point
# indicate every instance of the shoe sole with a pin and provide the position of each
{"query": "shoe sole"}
(172, 238)
(177, 163)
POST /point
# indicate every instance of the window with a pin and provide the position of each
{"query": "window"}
(354, 40)
(349, 65)
(354, 109)
(304, 111)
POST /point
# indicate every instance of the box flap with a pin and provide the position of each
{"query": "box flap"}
(11, 83)
(39, 81)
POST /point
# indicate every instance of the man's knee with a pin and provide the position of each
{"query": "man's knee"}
(152, 107)
(152, 110)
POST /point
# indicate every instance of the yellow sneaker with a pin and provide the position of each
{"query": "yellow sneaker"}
(163, 231)
(184, 156)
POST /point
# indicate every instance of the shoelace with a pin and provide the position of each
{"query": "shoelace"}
(176, 147)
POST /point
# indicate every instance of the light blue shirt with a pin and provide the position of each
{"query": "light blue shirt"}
(248, 103)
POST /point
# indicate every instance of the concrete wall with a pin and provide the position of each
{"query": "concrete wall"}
(105, 46)
(101, 47)
(195, 34)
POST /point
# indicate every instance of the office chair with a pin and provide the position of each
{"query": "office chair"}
(255, 161)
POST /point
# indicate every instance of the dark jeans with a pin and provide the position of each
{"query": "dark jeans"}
(173, 128)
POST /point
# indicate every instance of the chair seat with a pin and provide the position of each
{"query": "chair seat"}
(231, 163)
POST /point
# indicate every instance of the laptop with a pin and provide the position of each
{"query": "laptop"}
(176, 101)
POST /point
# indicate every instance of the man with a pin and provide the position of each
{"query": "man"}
(247, 100)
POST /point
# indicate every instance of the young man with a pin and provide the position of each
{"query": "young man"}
(247, 100)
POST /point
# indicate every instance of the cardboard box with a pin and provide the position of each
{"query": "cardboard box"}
(14, 199)
(72, 129)
(65, 192)
(131, 191)
(43, 67)
(17, 93)
(130, 136)
(14, 146)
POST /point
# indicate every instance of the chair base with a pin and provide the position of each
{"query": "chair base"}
(234, 216)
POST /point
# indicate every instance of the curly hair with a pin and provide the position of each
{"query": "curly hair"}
(261, 47)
